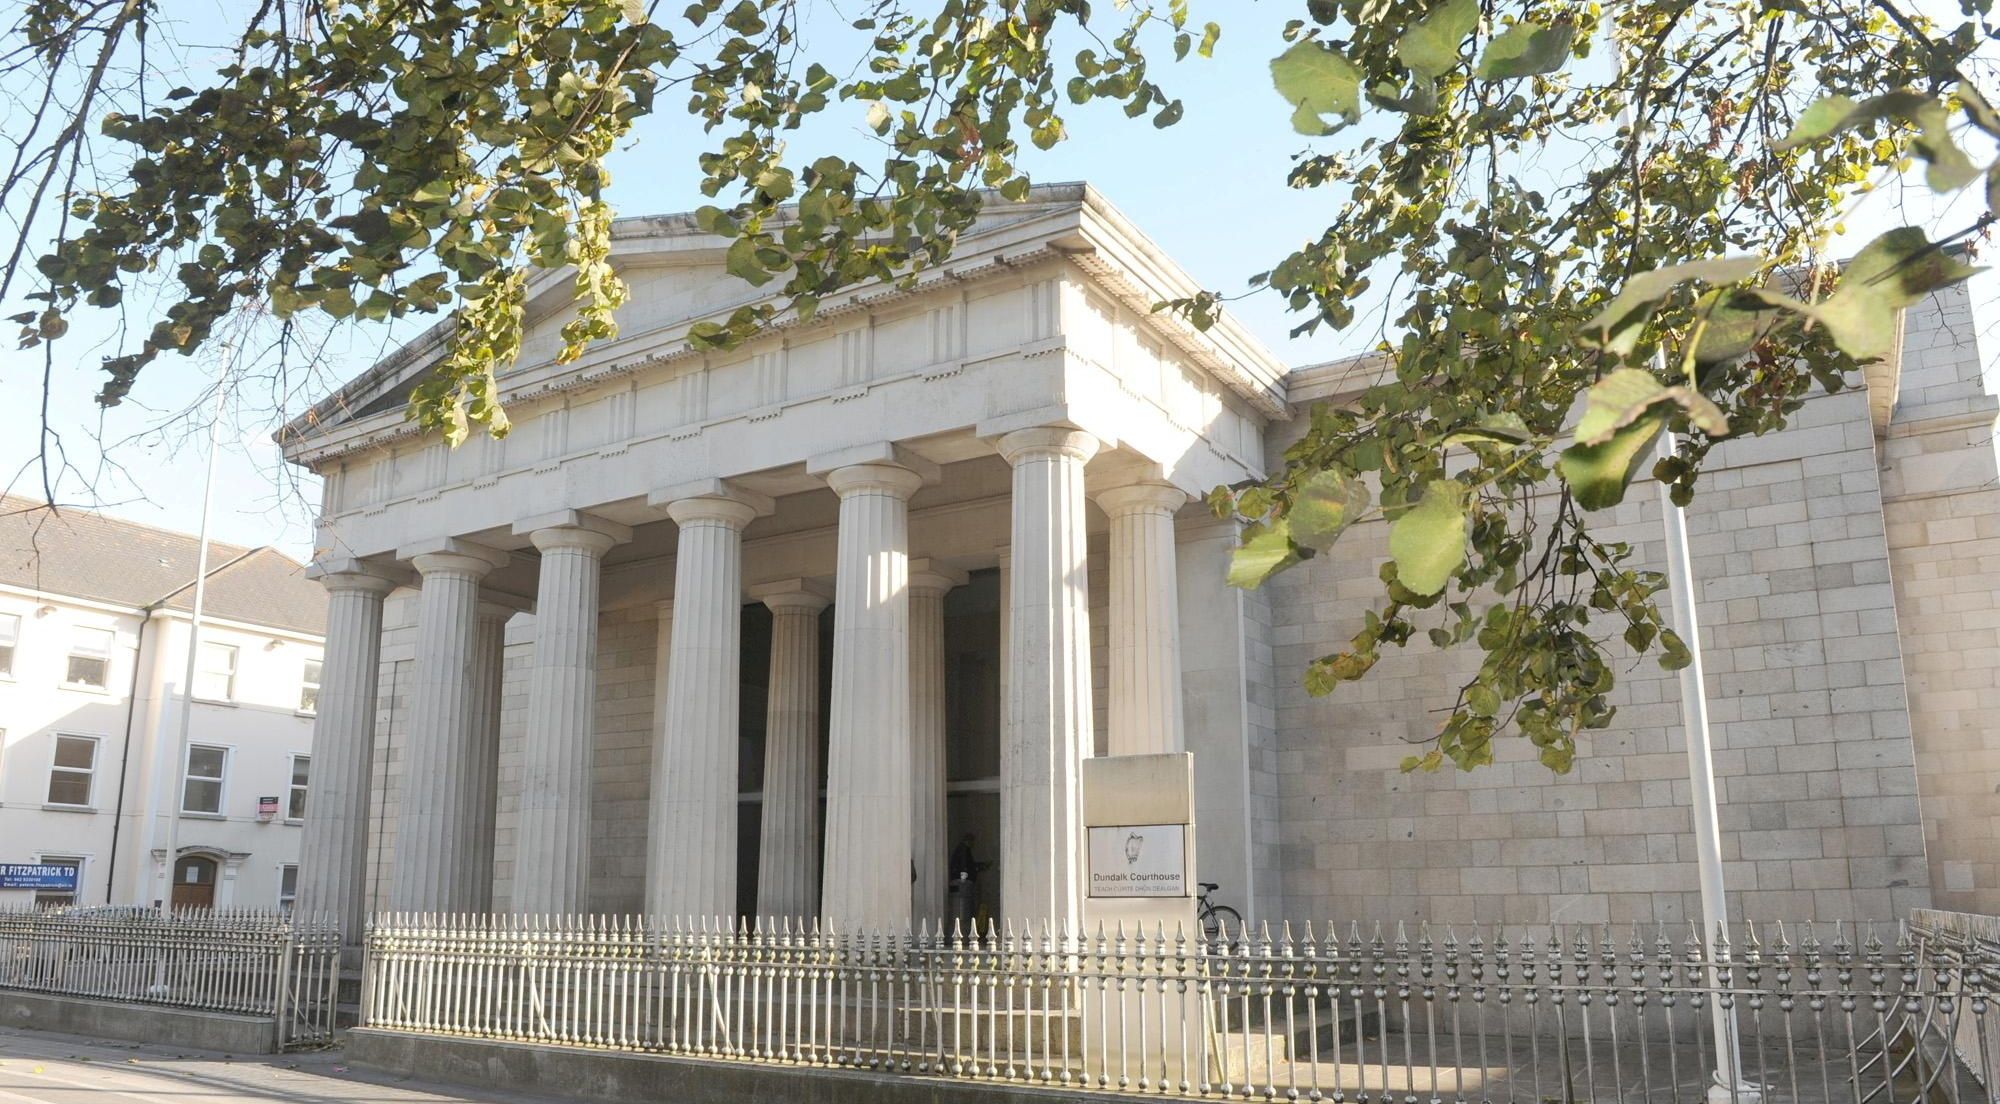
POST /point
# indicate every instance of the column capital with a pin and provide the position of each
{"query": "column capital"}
(343, 572)
(1134, 498)
(572, 529)
(927, 576)
(559, 537)
(792, 594)
(705, 489)
(876, 452)
(729, 513)
(452, 563)
(337, 582)
(1027, 444)
(454, 554)
(892, 480)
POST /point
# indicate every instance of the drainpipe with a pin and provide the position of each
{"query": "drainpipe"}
(125, 755)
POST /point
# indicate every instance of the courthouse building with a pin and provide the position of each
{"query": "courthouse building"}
(774, 631)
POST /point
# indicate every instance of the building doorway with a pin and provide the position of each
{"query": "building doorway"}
(194, 883)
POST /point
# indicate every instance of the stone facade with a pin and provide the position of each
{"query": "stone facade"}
(984, 423)
(1834, 766)
(1941, 501)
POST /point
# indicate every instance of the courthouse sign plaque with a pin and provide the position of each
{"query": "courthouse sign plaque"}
(1139, 860)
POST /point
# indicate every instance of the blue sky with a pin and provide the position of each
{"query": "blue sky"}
(1210, 190)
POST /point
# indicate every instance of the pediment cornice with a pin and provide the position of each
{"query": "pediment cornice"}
(1060, 222)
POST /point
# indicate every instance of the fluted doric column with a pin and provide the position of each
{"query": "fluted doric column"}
(691, 844)
(333, 851)
(1145, 707)
(867, 881)
(436, 816)
(929, 848)
(552, 854)
(788, 841)
(1047, 726)
(489, 650)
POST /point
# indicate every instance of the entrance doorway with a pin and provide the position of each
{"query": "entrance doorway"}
(194, 883)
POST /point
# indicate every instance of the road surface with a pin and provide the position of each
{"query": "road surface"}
(65, 1069)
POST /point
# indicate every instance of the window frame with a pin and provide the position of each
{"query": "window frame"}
(202, 671)
(296, 792)
(313, 679)
(80, 862)
(288, 901)
(76, 651)
(89, 773)
(221, 780)
(10, 644)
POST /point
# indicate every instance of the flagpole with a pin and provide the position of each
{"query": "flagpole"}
(1728, 1087)
(178, 798)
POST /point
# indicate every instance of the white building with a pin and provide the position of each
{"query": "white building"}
(94, 629)
(807, 612)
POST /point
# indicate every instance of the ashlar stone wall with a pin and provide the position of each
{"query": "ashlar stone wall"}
(1810, 721)
(1941, 497)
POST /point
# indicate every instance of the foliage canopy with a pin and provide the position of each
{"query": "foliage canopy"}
(370, 159)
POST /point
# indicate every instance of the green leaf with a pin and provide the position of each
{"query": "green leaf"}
(1674, 653)
(1730, 331)
(1326, 504)
(1617, 327)
(1890, 273)
(1830, 115)
(1317, 81)
(1526, 49)
(1482, 701)
(742, 263)
(1824, 116)
(1598, 474)
(1504, 428)
(1950, 169)
(1209, 35)
(1265, 549)
(1430, 48)
(1622, 396)
(435, 191)
(1428, 540)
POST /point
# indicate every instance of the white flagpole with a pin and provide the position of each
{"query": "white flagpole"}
(1729, 1085)
(178, 797)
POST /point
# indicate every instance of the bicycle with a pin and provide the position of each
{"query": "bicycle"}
(1216, 920)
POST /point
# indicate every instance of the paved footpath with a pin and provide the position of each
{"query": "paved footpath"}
(66, 1069)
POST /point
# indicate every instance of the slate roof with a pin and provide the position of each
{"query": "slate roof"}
(81, 554)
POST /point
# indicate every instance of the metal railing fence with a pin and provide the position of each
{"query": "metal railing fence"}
(244, 963)
(1969, 945)
(1818, 1013)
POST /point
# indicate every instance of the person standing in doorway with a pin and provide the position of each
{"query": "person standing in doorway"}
(964, 883)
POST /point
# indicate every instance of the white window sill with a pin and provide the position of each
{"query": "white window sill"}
(51, 807)
(84, 688)
(295, 822)
(227, 702)
(192, 814)
(306, 713)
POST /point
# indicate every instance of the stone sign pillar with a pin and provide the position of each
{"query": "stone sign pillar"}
(1140, 890)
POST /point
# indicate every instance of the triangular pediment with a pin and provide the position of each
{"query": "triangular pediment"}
(675, 275)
